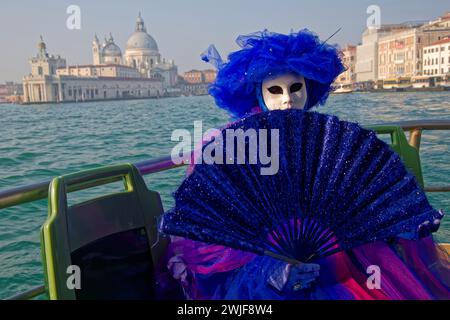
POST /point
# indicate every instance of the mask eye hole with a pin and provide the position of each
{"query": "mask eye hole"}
(296, 87)
(275, 90)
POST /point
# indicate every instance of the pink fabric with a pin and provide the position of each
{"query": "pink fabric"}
(400, 280)
(397, 281)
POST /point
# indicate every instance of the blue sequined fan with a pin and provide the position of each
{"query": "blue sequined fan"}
(337, 186)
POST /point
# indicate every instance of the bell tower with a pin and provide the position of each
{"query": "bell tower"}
(96, 51)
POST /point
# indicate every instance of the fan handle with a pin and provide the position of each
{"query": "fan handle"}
(282, 258)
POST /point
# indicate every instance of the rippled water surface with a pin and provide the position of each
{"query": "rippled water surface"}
(43, 141)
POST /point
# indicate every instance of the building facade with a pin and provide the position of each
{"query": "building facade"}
(209, 75)
(442, 22)
(139, 73)
(436, 58)
(3, 93)
(197, 82)
(52, 81)
(349, 61)
(400, 55)
(194, 89)
(106, 70)
(106, 53)
(366, 67)
(193, 77)
(367, 57)
(200, 76)
(142, 53)
(11, 92)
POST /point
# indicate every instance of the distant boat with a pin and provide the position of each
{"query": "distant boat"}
(443, 81)
(419, 82)
(343, 88)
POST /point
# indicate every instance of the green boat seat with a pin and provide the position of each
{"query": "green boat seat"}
(104, 248)
(399, 144)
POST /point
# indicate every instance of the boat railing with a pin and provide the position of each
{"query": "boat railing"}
(39, 191)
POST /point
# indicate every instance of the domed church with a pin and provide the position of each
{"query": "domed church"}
(141, 53)
(108, 53)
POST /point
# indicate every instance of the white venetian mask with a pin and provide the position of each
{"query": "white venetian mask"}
(286, 91)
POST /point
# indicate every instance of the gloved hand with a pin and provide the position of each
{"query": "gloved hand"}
(302, 276)
(291, 278)
(424, 229)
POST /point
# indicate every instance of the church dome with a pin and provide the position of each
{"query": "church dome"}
(111, 49)
(140, 39)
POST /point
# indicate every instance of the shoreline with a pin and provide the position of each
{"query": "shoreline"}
(91, 100)
(395, 90)
(97, 100)
(431, 89)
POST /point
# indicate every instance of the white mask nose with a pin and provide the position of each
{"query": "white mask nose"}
(287, 99)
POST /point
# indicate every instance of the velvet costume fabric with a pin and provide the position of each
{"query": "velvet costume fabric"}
(408, 272)
(411, 269)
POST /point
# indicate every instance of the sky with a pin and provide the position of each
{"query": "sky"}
(184, 28)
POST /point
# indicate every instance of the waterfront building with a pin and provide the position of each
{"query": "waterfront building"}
(106, 53)
(140, 72)
(196, 82)
(348, 77)
(167, 71)
(10, 92)
(194, 89)
(106, 70)
(209, 75)
(366, 67)
(442, 22)
(193, 77)
(400, 54)
(142, 53)
(3, 93)
(14, 92)
(51, 80)
(200, 76)
(436, 58)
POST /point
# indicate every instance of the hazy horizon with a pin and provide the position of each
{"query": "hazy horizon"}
(183, 29)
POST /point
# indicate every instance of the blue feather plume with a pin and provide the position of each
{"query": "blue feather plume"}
(268, 53)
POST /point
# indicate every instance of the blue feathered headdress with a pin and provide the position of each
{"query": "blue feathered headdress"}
(266, 53)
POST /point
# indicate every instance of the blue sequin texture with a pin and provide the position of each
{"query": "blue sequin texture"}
(338, 186)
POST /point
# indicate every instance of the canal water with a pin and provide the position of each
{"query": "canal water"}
(39, 142)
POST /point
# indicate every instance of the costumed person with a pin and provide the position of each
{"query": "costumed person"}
(274, 71)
